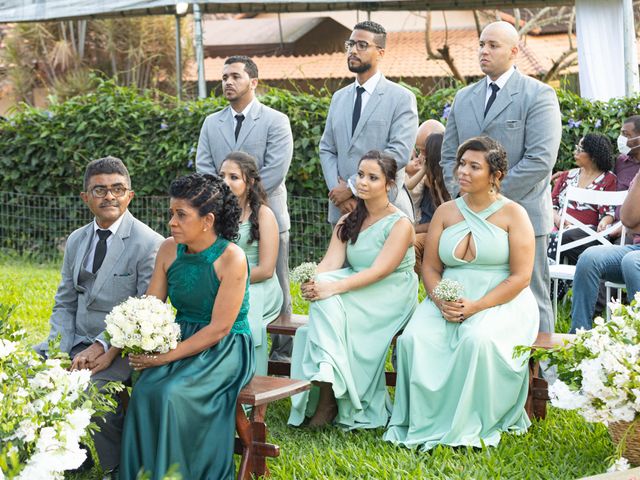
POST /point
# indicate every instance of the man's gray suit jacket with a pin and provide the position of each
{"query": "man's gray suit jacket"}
(78, 314)
(266, 135)
(525, 119)
(389, 122)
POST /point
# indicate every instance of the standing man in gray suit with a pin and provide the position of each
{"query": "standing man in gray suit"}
(248, 126)
(105, 262)
(372, 113)
(524, 116)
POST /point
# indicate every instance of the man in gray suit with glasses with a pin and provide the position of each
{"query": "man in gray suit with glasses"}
(249, 126)
(105, 262)
(372, 113)
(522, 114)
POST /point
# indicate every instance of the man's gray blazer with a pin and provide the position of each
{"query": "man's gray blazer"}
(525, 119)
(265, 134)
(78, 314)
(389, 122)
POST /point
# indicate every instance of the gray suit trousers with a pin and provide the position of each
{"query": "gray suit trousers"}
(281, 345)
(540, 284)
(107, 440)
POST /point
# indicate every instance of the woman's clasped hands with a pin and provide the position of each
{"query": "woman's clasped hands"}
(312, 290)
(457, 311)
(140, 362)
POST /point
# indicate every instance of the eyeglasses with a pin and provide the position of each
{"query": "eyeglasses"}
(361, 45)
(101, 192)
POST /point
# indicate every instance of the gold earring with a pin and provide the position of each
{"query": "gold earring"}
(492, 190)
(204, 229)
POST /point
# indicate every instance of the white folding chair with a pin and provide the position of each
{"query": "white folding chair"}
(581, 195)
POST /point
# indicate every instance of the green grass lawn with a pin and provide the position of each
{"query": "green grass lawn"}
(562, 446)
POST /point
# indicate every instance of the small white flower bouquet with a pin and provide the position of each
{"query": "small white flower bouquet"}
(142, 325)
(303, 273)
(448, 290)
(599, 373)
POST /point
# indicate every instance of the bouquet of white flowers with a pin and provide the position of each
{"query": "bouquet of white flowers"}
(448, 290)
(599, 372)
(44, 409)
(142, 325)
(303, 273)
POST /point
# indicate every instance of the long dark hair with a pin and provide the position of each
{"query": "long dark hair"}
(209, 194)
(256, 195)
(437, 189)
(350, 228)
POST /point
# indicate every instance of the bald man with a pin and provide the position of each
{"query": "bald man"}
(523, 114)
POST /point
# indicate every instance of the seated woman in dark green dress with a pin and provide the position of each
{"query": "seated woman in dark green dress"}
(182, 410)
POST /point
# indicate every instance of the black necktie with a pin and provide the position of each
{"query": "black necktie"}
(239, 120)
(356, 109)
(101, 249)
(492, 98)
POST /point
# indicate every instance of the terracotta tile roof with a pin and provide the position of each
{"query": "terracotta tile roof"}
(405, 57)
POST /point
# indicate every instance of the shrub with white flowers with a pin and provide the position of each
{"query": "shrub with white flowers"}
(142, 325)
(599, 372)
(45, 410)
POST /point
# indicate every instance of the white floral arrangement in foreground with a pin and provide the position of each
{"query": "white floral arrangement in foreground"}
(142, 325)
(303, 273)
(599, 372)
(448, 290)
(44, 409)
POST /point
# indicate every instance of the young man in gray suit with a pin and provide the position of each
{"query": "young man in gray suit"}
(372, 113)
(522, 114)
(105, 262)
(251, 127)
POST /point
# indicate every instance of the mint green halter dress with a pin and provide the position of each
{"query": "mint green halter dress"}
(458, 383)
(348, 335)
(184, 412)
(266, 301)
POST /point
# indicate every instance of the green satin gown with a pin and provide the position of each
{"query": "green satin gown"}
(458, 383)
(266, 301)
(184, 412)
(348, 335)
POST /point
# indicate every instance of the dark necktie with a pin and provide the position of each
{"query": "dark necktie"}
(101, 249)
(492, 98)
(356, 109)
(239, 120)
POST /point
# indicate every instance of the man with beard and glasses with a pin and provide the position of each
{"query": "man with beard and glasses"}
(105, 262)
(246, 125)
(372, 113)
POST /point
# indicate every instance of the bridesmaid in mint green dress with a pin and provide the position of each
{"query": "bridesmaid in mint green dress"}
(356, 311)
(182, 410)
(458, 383)
(259, 239)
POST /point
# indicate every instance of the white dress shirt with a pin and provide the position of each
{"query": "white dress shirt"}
(244, 112)
(500, 82)
(369, 86)
(88, 264)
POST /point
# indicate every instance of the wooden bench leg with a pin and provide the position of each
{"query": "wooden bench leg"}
(259, 434)
(538, 395)
(245, 434)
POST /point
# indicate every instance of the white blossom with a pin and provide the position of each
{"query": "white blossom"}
(620, 465)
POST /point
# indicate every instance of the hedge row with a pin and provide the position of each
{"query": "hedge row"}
(45, 152)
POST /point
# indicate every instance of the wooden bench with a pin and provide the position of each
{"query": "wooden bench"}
(251, 442)
(536, 405)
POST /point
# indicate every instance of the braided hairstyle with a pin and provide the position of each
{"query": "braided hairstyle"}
(437, 189)
(256, 195)
(209, 194)
(350, 228)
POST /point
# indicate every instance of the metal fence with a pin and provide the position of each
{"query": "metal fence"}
(38, 225)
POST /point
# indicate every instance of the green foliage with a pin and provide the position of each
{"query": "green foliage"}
(45, 152)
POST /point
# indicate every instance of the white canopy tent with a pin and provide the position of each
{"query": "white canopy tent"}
(607, 63)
